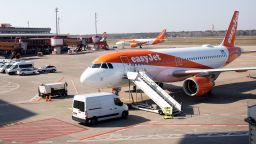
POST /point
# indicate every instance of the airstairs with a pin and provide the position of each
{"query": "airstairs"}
(154, 92)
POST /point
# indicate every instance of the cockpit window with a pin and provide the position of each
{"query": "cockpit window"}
(104, 65)
(110, 65)
(96, 65)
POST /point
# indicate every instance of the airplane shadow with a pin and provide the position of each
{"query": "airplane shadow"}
(221, 94)
(234, 137)
(10, 113)
(63, 97)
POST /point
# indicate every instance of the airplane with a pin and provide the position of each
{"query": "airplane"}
(140, 42)
(198, 67)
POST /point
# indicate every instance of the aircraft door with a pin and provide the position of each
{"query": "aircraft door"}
(179, 61)
(126, 63)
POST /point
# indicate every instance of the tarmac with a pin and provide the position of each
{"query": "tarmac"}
(218, 118)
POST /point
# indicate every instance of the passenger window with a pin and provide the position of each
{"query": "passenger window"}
(96, 65)
(118, 102)
(110, 65)
(104, 65)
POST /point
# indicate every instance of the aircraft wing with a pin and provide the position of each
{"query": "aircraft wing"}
(207, 72)
(247, 52)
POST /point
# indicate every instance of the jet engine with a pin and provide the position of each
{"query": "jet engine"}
(197, 86)
(133, 45)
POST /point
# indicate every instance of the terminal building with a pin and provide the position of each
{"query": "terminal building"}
(32, 41)
(25, 40)
(8, 29)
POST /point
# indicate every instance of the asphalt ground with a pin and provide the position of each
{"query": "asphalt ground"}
(218, 118)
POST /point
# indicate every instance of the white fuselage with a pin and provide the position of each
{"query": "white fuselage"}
(143, 41)
(207, 56)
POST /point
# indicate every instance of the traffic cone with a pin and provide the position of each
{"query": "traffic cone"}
(47, 98)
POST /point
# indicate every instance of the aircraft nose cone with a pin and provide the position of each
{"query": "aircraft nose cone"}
(86, 78)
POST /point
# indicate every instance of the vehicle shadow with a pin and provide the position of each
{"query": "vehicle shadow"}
(32, 58)
(10, 113)
(57, 72)
(63, 97)
(118, 122)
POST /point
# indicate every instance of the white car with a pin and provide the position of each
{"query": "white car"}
(47, 68)
(27, 71)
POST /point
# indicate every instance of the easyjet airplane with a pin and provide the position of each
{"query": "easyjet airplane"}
(199, 67)
(140, 42)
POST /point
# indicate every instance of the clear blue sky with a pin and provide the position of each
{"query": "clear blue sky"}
(128, 16)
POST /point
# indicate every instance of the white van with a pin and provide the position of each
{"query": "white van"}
(90, 108)
(19, 65)
(6, 66)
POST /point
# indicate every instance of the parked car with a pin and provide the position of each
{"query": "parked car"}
(19, 65)
(47, 68)
(27, 71)
(6, 66)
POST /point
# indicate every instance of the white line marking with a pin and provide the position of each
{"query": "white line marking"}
(8, 87)
(45, 142)
(74, 141)
(74, 86)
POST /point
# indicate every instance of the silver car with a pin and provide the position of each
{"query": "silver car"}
(47, 68)
(27, 71)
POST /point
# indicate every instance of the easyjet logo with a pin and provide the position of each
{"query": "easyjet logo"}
(146, 59)
(233, 29)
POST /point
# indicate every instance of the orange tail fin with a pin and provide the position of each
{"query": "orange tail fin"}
(229, 40)
(162, 35)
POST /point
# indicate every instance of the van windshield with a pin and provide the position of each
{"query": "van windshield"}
(78, 105)
(8, 66)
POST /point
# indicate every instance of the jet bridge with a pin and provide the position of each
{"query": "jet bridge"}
(154, 92)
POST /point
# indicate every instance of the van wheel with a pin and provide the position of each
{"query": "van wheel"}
(124, 114)
(92, 121)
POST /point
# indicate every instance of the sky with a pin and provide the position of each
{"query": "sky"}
(128, 16)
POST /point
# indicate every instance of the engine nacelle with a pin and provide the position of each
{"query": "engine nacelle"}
(197, 86)
(133, 45)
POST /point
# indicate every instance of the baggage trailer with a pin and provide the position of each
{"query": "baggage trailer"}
(53, 89)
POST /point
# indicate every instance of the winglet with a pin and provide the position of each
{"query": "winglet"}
(229, 40)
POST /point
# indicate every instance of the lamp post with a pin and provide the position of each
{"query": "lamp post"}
(56, 10)
(95, 16)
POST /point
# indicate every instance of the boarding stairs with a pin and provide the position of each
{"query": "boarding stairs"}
(153, 91)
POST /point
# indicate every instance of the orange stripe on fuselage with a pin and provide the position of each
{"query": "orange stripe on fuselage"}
(147, 57)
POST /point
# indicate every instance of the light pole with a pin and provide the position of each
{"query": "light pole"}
(56, 10)
(95, 17)
(59, 25)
